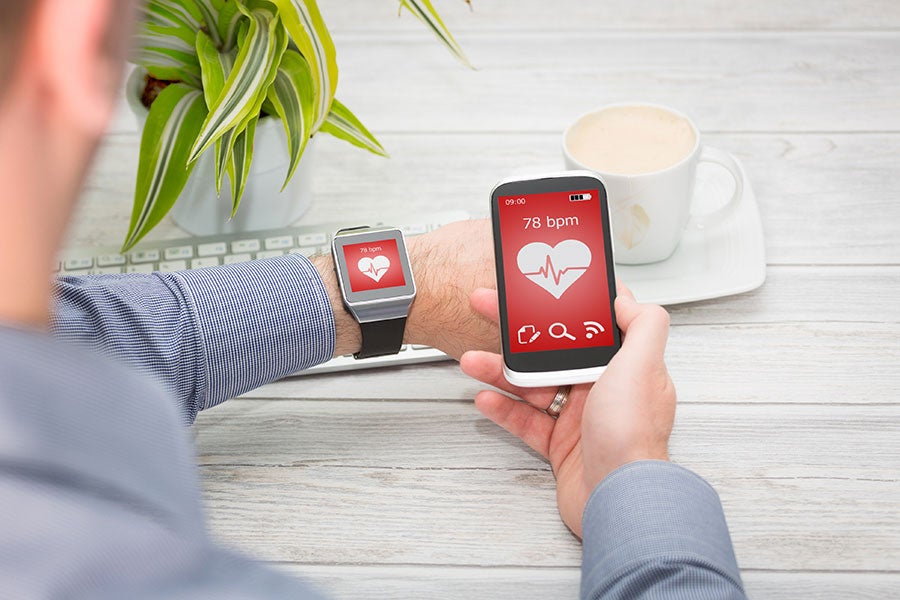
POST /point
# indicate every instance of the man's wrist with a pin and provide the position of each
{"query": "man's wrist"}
(348, 337)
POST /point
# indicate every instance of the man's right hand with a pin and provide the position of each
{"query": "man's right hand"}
(625, 416)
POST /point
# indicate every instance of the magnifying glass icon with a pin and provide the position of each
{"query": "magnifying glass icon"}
(561, 331)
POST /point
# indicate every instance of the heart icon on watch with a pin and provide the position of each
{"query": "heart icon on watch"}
(374, 267)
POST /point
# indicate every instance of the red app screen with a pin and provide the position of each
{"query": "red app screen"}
(374, 265)
(554, 268)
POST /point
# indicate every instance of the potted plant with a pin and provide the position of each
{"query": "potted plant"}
(219, 78)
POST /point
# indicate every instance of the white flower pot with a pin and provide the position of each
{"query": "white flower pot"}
(264, 206)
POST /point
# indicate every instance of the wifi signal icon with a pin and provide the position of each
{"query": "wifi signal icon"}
(592, 328)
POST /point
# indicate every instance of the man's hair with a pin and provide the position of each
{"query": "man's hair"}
(14, 16)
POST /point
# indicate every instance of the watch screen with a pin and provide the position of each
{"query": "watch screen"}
(554, 267)
(374, 265)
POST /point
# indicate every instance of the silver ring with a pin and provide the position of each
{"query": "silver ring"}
(559, 401)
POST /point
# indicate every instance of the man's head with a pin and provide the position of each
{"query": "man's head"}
(13, 18)
(61, 63)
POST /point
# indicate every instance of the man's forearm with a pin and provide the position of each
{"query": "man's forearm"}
(654, 529)
(205, 335)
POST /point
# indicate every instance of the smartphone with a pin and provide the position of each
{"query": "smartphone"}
(555, 278)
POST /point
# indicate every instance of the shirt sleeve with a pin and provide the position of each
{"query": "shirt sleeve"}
(205, 335)
(653, 529)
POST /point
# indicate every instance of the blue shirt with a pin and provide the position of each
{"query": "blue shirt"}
(98, 483)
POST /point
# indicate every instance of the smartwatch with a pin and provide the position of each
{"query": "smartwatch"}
(377, 285)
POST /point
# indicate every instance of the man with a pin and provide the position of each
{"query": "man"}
(97, 482)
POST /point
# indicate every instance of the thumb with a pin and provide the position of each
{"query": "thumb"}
(485, 302)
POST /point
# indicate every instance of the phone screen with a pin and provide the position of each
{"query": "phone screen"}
(554, 261)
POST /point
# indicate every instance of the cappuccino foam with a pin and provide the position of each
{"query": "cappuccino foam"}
(631, 140)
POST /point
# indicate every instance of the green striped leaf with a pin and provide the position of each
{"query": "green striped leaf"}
(291, 97)
(167, 53)
(254, 70)
(172, 125)
(239, 165)
(343, 124)
(216, 67)
(169, 13)
(209, 9)
(229, 21)
(307, 29)
(426, 13)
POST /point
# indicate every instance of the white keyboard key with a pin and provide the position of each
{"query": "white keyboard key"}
(242, 246)
(280, 242)
(106, 271)
(179, 252)
(172, 265)
(110, 260)
(144, 256)
(414, 229)
(57, 268)
(233, 259)
(214, 249)
(201, 263)
(313, 239)
(73, 264)
(145, 268)
(269, 253)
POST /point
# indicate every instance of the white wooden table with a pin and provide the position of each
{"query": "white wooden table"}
(390, 485)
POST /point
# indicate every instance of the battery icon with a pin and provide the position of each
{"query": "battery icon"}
(579, 197)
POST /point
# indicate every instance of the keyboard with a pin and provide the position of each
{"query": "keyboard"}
(210, 251)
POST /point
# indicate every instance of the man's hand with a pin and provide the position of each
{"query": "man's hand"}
(625, 416)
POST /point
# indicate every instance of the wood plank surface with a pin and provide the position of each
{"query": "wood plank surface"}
(503, 583)
(540, 81)
(812, 363)
(578, 15)
(742, 441)
(492, 517)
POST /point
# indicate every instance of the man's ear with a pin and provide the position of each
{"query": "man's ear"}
(69, 50)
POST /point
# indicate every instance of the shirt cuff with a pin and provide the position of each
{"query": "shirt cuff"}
(259, 321)
(656, 525)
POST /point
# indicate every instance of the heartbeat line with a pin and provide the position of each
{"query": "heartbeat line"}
(373, 270)
(548, 271)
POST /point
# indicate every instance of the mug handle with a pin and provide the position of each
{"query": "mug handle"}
(725, 160)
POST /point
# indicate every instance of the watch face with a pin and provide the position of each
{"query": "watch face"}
(373, 265)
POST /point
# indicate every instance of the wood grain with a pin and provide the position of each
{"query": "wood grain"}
(734, 441)
(812, 363)
(502, 583)
(489, 517)
(615, 15)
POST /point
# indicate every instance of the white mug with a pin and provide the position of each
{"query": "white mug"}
(650, 210)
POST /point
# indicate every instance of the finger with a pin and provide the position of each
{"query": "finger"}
(622, 289)
(645, 328)
(484, 301)
(487, 367)
(523, 421)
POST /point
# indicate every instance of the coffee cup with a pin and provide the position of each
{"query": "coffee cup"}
(647, 157)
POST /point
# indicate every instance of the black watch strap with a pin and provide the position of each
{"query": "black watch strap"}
(381, 337)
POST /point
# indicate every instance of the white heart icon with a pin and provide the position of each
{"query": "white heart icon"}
(374, 267)
(556, 268)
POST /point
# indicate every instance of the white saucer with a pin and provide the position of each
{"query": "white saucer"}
(729, 258)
